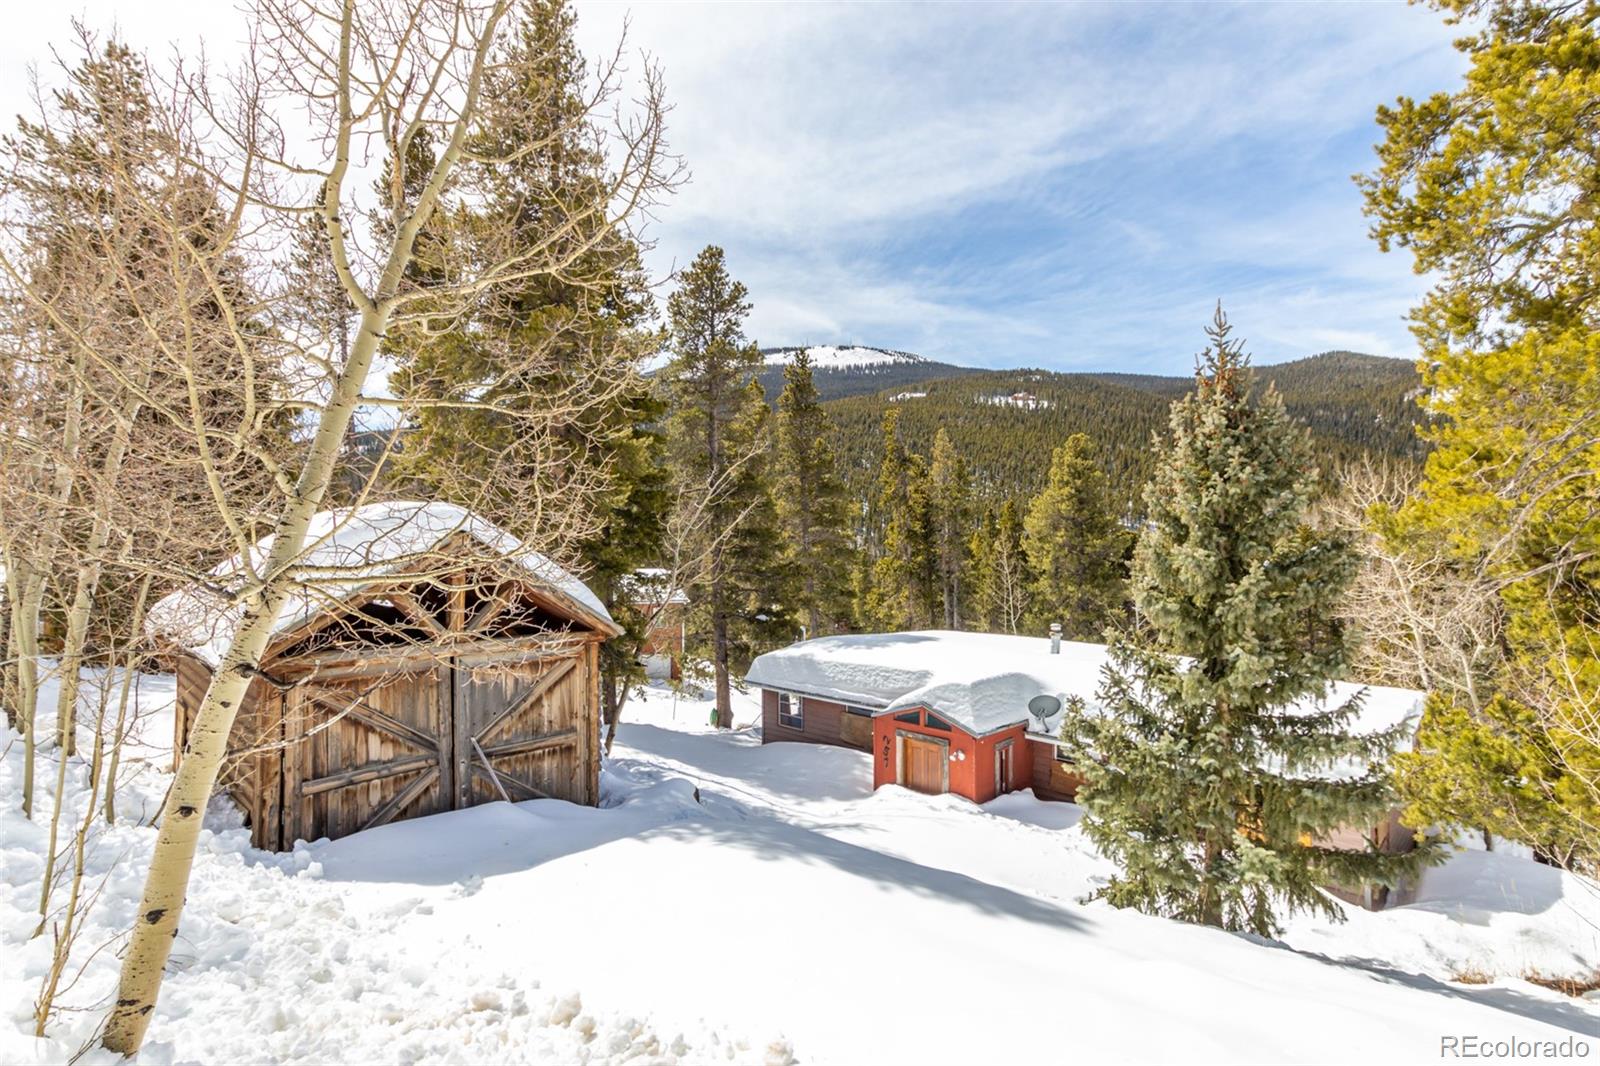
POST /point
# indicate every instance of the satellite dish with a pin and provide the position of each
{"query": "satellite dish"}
(1043, 706)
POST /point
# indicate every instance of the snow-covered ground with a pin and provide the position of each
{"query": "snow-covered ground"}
(734, 902)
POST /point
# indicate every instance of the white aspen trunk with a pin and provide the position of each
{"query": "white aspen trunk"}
(88, 583)
(114, 764)
(161, 906)
(25, 646)
(25, 618)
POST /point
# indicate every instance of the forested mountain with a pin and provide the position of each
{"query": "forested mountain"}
(853, 370)
(1005, 423)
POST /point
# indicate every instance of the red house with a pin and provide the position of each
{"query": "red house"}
(652, 593)
(975, 714)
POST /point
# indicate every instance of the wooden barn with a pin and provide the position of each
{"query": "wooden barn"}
(429, 665)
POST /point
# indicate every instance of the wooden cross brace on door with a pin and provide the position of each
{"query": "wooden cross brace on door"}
(488, 752)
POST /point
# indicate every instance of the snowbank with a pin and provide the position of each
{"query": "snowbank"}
(360, 545)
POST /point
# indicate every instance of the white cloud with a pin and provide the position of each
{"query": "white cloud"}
(1001, 184)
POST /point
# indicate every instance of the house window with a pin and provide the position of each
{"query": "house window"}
(933, 721)
(861, 711)
(910, 717)
(791, 711)
(1062, 755)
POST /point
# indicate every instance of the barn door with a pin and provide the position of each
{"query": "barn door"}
(519, 728)
(371, 751)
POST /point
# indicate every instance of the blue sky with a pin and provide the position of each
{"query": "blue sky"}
(1062, 185)
(1069, 186)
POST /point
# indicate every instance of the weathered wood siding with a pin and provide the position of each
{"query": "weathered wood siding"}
(530, 720)
(1051, 779)
(250, 772)
(825, 722)
(364, 751)
(360, 739)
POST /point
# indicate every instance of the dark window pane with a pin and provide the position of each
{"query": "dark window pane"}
(935, 722)
(910, 717)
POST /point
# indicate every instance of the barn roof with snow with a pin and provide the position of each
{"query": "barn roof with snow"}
(348, 549)
(983, 681)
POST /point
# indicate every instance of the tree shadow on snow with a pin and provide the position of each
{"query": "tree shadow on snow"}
(872, 875)
(502, 838)
(1535, 1008)
(808, 772)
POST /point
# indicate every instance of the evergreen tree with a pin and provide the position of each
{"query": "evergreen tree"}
(1492, 189)
(535, 338)
(1075, 545)
(950, 505)
(760, 576)
(717, 447)
(812, 506)
(1000, 576)
(1207, 791)
(636, 509)
(904, 593)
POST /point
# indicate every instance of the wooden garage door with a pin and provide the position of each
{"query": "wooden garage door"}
(372, 751)
(923, 763)
(519, 728)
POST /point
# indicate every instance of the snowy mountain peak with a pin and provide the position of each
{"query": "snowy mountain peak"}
(842, 357)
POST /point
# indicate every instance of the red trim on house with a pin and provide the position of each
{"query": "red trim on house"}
(973, 764)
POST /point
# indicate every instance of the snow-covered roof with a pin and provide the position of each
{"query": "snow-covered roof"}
(346, 550)
(983, 681)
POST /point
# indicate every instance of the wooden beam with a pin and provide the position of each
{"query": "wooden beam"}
(369, 715)
(369, 772)
(400, 800)
(546, 681)
(516, 783)
(458, 601)
(490, 609)
(414, 610)
(423, 656)
(489, 766)
(564, 739)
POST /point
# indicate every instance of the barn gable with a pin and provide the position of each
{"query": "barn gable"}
(442, 676)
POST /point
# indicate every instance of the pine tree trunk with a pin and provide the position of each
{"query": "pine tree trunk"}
(1210, 903)
(719, 642)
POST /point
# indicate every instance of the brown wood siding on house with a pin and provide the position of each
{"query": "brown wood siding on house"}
(1051, 779)
(824, 723)
(855, 730)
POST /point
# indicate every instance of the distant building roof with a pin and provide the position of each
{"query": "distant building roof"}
(653, 584)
